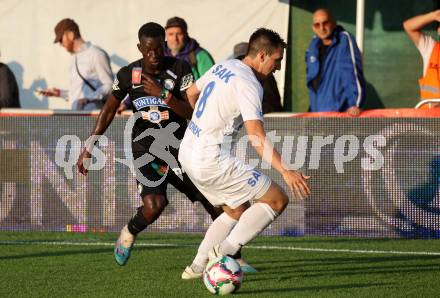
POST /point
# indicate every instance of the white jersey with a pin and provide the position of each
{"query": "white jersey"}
(230, 94)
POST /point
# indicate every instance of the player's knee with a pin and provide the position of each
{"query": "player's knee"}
(283, 201)
(155, 202)
(153, 206)
(276, 198)
(279, 203)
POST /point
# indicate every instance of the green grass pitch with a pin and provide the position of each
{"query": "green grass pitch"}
(82, 265)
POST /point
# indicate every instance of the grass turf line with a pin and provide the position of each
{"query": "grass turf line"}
(41, 270)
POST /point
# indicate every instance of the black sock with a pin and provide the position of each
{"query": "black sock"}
(237, 255)
(137, 223)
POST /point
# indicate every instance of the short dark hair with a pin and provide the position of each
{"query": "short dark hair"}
(265, 39)
(151, 29)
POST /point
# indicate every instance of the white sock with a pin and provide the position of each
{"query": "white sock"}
(251, 223)
(217, 232)
(127, 238)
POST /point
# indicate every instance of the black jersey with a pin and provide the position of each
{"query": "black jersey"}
(176, 76)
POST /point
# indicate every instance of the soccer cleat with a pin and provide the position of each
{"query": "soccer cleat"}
(189, 273)
(122, 252)
(246, 267)
(215, 252)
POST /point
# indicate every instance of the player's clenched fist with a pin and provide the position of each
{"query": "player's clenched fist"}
(151, 86)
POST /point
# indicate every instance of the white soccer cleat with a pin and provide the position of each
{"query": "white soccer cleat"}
(189, 273)
(215, 252)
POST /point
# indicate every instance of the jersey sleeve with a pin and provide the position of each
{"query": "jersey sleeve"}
(187, 78)
(121, 84)
(200, 83)
(249, 97)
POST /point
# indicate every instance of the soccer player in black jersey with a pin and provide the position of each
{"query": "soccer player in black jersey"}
(156, 85)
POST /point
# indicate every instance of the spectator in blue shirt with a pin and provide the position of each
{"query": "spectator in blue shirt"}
(334, 68)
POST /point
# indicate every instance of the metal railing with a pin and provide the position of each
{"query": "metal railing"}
(427, 101)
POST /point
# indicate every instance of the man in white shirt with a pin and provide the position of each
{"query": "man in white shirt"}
(429, 49)
(91, 77)
(226, 97)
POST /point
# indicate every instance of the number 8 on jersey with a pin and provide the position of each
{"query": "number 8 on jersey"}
(202, 101)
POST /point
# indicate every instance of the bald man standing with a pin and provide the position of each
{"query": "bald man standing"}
(334, 68)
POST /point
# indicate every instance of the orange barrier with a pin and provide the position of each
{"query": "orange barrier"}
(379, 113)
(48, 113)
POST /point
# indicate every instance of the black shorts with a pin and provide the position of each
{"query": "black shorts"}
(155, 171)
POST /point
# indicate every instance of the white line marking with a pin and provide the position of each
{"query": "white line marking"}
(259, 247)
(359, 251)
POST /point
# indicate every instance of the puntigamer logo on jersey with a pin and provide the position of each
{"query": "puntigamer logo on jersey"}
(148, 101)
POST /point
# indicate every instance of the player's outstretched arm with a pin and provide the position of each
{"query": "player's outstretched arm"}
(295, 180)
(105, 117)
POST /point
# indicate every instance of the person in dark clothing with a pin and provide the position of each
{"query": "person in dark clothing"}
(156, 85)
(334, 69)
(182, 46)
(9, 96)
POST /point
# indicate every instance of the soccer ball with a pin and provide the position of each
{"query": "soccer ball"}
(223, 276)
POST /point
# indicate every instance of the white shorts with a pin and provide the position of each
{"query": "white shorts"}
(229, 181)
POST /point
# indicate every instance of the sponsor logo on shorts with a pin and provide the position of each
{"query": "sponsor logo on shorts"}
(255, 177)
(161, 170)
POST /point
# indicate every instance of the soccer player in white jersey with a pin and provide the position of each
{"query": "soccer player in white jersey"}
(227, 96)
